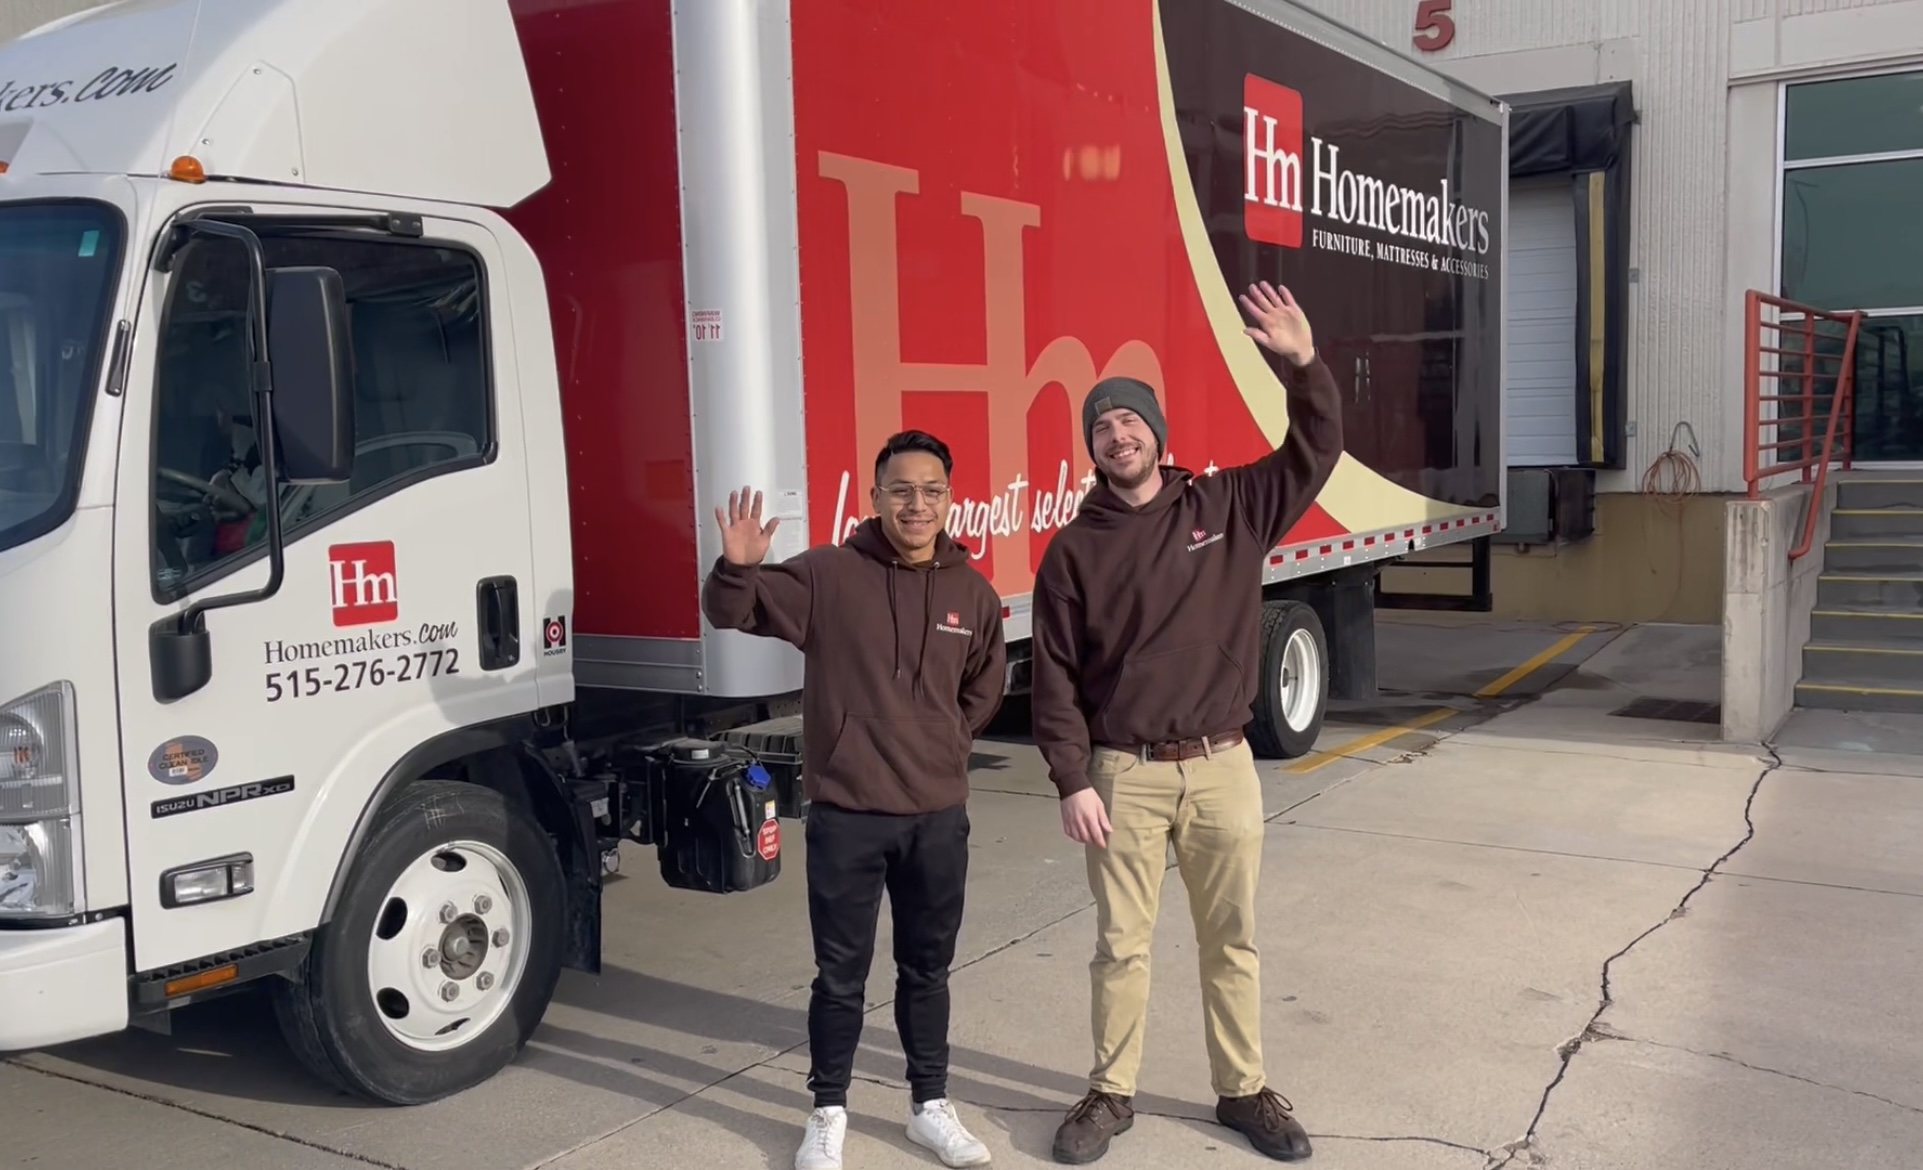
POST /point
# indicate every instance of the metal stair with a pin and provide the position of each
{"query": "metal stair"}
(1865, 651)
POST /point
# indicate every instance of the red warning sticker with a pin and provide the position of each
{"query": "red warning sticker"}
(768, 840)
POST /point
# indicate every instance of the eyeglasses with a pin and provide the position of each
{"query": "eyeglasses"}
(906, 493)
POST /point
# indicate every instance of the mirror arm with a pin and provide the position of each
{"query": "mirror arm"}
(193, 618)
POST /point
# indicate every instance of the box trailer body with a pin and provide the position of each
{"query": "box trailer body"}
(766, 258)
(495, 301)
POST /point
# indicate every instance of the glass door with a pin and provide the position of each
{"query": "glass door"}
(1852, 183)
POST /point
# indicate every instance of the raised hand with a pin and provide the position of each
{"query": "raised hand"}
(1280, 325)
(744, 538)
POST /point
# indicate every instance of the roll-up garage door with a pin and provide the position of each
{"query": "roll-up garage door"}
(1542, 325)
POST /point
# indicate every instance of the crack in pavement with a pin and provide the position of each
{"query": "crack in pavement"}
(1816, 885)
(1445, 1143)
(1503, 1155)
(207, 1115)
(1618, 1037)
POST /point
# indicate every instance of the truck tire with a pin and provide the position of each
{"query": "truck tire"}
(1293, 688)
(443, 952)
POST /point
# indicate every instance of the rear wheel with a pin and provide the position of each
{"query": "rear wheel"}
(442, 955)
(1294, 689)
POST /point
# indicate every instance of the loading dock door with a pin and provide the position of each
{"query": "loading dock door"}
(1541, 402)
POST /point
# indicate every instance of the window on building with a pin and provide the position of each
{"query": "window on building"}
(1854, 116)
(1850, 235)
(422, 396)
(1852, 184)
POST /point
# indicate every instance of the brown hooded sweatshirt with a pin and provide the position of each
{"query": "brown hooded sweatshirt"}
(904, 664)
(1147, 620)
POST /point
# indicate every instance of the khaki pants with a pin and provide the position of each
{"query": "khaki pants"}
(1211, 809)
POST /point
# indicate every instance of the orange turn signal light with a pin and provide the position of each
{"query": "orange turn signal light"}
(203, 980)
(187, 169)
(3, 168)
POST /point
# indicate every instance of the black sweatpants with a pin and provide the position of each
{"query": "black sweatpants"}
(922, 861)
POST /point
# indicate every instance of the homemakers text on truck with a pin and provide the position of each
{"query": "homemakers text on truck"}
(370, 369)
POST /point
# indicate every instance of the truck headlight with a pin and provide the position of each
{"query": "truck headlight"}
(40, 806)
(36, 870)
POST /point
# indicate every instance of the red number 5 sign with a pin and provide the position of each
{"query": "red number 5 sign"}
(1435, 28)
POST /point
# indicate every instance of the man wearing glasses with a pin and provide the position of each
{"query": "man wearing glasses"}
(902, 638)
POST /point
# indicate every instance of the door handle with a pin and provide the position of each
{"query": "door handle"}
(497, 602)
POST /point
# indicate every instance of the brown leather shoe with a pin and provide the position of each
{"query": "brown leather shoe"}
(1096, 1118)
(1265, 1120)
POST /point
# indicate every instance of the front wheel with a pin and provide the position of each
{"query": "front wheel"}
(1294, 688)
(442, 955)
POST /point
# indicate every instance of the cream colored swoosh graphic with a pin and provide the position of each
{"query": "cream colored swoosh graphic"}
(1359, 498)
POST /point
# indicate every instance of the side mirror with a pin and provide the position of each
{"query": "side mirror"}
(313, 359)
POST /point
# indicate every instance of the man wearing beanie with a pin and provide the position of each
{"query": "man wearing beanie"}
(1147, 611)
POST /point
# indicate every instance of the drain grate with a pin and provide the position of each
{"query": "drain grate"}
(1673, 710)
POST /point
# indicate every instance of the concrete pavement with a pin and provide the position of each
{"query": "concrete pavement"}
(1527, 932)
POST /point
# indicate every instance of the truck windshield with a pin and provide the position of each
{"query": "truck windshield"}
(57, 266)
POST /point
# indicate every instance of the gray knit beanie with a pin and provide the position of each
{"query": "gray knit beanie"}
(1123, 394)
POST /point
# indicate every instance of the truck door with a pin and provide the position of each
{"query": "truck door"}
(405, 610)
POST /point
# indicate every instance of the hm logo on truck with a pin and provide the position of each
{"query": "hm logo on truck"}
(362, 580)
(1272, 162)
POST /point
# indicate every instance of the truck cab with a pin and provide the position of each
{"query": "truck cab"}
(273, 390)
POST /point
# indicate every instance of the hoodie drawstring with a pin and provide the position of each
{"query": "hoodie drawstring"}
(928, 612)
(894, 613)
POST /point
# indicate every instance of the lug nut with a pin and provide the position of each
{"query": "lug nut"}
(501, 937)
(449, 991)
(448, 912)
(430, 957)
(484, 980)
(483, 903)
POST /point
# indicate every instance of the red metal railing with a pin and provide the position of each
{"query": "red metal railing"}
(1819, 419)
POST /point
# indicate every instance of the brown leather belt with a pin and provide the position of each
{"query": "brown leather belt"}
(1170, 750)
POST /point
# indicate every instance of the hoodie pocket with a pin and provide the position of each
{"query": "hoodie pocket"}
(910, 748)
(1159, 691)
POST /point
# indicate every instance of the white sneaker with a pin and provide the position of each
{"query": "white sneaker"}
(821, 1144)
(934, 1126)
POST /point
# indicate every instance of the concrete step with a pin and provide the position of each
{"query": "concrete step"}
(1901, 591)
(1879, 493)
(1876, 555)
(1870, 523)
(1860, 696)
(1882, 627)
(1875, 663)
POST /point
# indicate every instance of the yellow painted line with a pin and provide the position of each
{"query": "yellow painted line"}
(1534, 664)
(1373, 739)
(1848, 690)
(1363, 743)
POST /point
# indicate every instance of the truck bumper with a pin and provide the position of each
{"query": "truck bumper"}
(61, 985)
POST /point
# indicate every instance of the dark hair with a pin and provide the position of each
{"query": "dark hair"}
(913, 441)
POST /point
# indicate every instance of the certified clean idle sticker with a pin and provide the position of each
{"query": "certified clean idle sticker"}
(187, 759)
